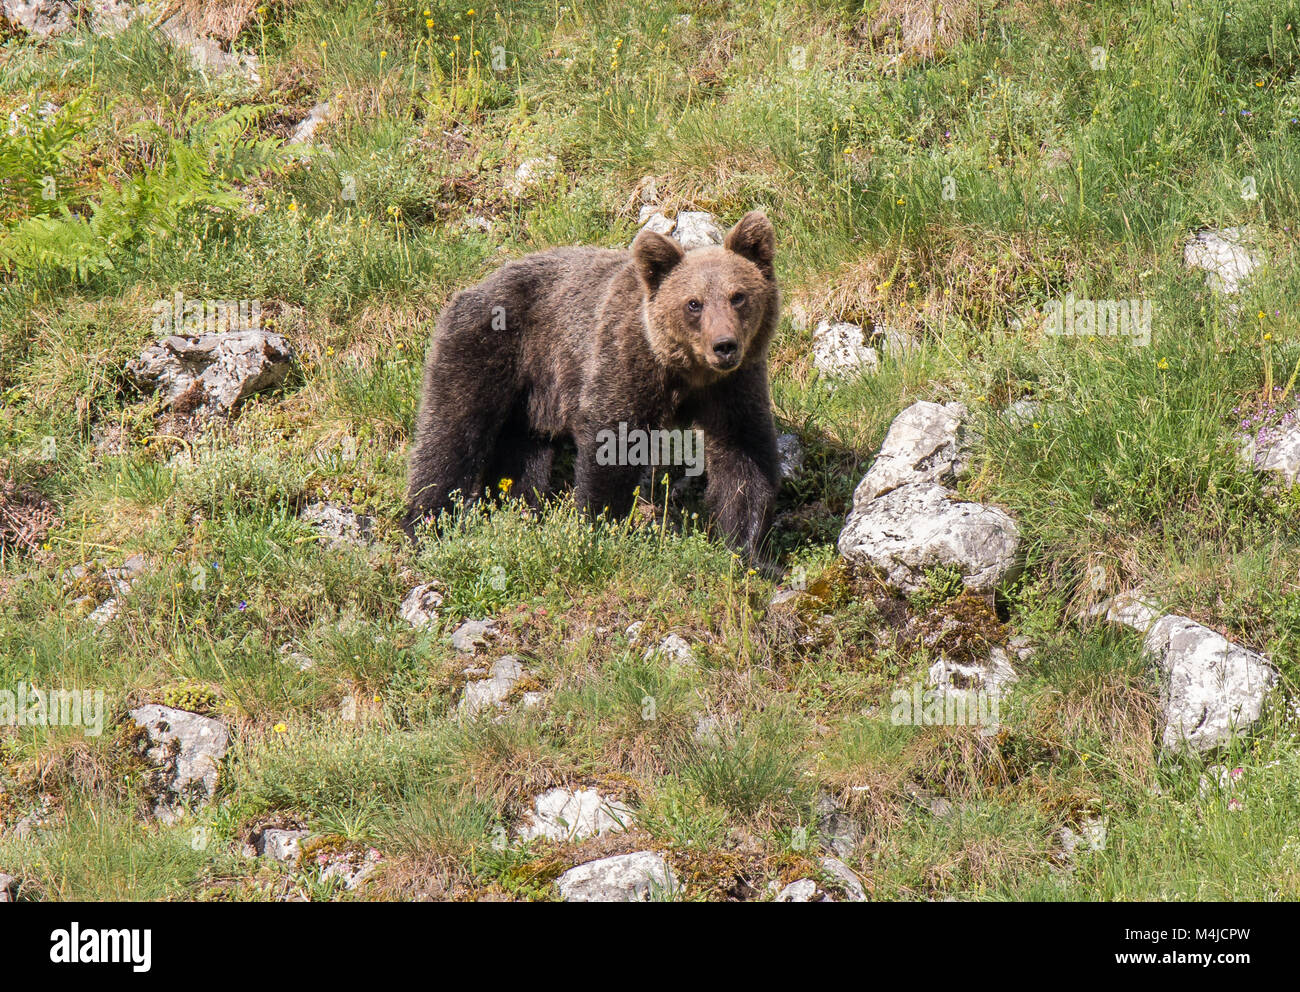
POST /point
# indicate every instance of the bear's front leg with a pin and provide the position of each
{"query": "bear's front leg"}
(742, 464)
(604, 481)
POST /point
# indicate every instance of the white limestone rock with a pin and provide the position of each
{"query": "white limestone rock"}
(840, 350)
(925, 443)
(635, 877)
(922, 526)
(565, 815)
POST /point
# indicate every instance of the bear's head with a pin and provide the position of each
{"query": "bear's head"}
(710, 310)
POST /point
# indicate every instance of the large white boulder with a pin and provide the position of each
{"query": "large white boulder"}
(922, 526)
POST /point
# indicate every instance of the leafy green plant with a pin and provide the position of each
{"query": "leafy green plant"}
(195, 173)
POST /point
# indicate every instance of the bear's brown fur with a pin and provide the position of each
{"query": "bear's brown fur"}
(574, 341)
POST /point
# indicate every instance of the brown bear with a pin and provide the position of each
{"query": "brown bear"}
(589, 343)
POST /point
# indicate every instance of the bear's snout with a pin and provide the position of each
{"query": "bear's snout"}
(727, 351)
(722, 348)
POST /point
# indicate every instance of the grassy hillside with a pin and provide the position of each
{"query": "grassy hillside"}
(948, 180)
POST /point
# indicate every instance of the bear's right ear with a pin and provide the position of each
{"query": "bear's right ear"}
(655, 256)
(754, 239)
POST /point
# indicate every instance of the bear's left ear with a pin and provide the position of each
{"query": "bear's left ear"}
(754, 239)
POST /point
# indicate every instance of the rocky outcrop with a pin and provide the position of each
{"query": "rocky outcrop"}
(212, 373)
(905, 522)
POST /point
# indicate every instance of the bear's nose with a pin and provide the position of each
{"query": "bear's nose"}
(725, 349)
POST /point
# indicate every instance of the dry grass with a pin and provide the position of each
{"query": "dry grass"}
(223, 20)
(26, 517)
(920, 29)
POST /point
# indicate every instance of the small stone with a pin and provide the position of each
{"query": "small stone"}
(939, 807)
(564, 815)
(37, 820)
(708, 730)
(208, 56)
(105, 613)
(280, 845)
(305, 132)
(119, 580)
(1024, 412)
(623, 878)
(1223, 255)
(1278, 453)
(782, 596)
(675, 648)
(892, 342)
(800, 314)
(299, 660)
(993, 676)
(1220, 776)
(1213, 688)
(840, 350)
(339, 526)
(420, 607)
(493, 691)
(186, 751)
(531, 174)
(840, 833)
(472, 635)
(1092, 837)
(658, 223)
(350, 867)
(841, 873)
(800, 890)
(40, 18)
(697, 229)
(1131, 608)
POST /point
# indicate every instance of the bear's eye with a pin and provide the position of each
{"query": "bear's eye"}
(694, 306)
(738, 300)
